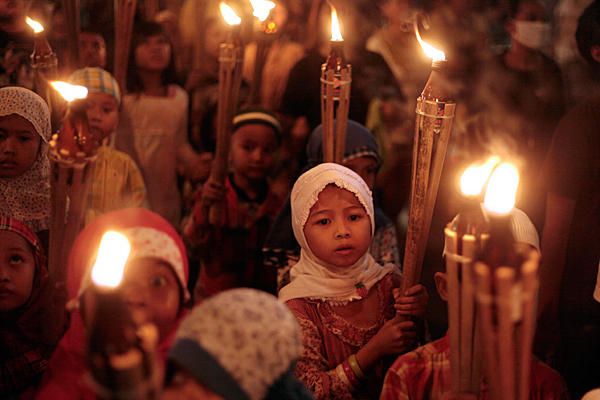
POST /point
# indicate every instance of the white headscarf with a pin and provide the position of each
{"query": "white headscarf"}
(311, 277)
(27, 197)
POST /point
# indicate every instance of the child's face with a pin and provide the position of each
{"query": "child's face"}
(252, 148)
(338, 229)
(153, 54)
(185, 386)
(152, 293)
(92, 50)
(366, 167)
(17, 269)
(19, 146)
(102, 113)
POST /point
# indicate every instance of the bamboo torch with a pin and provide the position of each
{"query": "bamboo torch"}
(72, 17)
(124, 14)
(120, 354)
(465, 236)
(506, 294)
(262, 10)
(435, 115)
(230, 79)
(336, 78)
(72, 151)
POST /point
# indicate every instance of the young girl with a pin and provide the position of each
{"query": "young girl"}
(25, 308)
(341, 297)
(153, 126)
(154, 287)
(24, 165)
(220, 352)
(362, 156)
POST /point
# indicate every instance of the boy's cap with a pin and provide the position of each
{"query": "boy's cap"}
(257, 116)
(96, 80)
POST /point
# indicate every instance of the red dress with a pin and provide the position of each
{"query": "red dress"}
(329, 339)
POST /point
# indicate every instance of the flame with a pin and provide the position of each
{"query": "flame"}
(262, 9)
(229, 14)
(70, 92)
(336, 34)
(475, 177)
(502, 189)
(432, 52)
(33, 24)
(110, 263)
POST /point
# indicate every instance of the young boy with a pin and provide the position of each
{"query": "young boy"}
(425, 372)
(92, 50)
(230, 253)
(116, 181)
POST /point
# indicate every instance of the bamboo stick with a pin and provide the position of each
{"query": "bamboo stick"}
(467, 312)
(530, 288)
(453, 308)
(506, 345)
(341, 118)
(72, 18)
(57, 222)
(328, 132)
(151, 8)
(124, 14)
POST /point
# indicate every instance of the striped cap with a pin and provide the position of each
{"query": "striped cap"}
(257, 116)
(96, 80)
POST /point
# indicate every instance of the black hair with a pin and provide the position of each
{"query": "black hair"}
(142, 31)
(587, 34)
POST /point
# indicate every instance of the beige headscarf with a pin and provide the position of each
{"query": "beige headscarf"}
(311, 277)
(27, 197)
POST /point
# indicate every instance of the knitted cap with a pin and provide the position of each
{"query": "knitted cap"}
(257, 116)
(238, 343)
(27, 104)
(96, 80)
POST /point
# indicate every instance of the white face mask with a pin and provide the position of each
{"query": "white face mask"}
(533, 34)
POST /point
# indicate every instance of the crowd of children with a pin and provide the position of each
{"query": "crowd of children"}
(291, 298)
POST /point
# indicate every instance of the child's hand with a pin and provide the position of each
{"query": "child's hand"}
(213, 192)
(413, 303)
(394, 337)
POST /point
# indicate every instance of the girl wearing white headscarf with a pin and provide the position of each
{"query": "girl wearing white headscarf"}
(24, 196)
(346, 313)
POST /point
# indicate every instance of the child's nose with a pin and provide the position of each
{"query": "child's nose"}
(341, 230)
(8, 146)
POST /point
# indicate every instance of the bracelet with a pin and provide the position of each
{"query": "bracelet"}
(355, 367)
(350, 374)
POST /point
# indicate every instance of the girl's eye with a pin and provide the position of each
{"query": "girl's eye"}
(248, 147)
(158, 281)
(16, 259)
(323, 221)
(24, 139)
(107, 110)
(355, 217)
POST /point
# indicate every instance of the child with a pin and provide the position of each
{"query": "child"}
(153, 127)
(220, 353)
(154, 288)
(425, 372)
(24, 165)
(116, 181)
(362, 156)
(339, 294)
(92, 50)
(25, 308)
(231, 253)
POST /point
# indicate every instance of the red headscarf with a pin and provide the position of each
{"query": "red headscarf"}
(67, 365)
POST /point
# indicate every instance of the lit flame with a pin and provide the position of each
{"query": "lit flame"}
(502, 189)
(474, 178)
(262, 9)
(432, 52)
(70, 92)
(229, 15)
(33, 24)
(110, 263)
(336, 34)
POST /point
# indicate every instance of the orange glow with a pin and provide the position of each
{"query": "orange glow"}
(33, 24)
(430, 51)
(110, 263)
(229, 15)
(70, 92)
(502, 190)
(336, 33)
(475, 177)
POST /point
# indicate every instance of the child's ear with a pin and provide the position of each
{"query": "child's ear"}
(595, 52)
(441, 284)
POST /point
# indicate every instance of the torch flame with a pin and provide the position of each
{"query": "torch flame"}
(430, 51)
(262, 9)
(33, 24)
(502, 189)
(110, 263)
(70, 92)
(336, 34)
(229, 14)
(475, 176)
